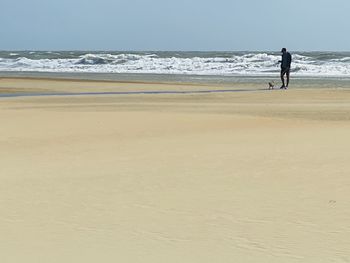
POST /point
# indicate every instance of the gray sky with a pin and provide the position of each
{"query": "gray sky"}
(308, 25)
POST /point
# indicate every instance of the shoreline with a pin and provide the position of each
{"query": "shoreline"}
(185, 79)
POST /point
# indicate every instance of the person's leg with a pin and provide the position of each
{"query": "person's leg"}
(282, 78)
(287, 73)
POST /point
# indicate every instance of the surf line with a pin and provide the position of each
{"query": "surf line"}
(11, 95)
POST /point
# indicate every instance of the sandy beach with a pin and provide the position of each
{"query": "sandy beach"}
(226, 173)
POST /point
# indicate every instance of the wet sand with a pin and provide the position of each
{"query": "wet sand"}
(250, 176)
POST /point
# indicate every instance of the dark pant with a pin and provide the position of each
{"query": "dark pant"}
(285, 71)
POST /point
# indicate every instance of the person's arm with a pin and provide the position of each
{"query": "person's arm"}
(289, 59)
(280, 61)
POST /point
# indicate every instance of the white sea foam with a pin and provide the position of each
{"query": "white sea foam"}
(228, 64)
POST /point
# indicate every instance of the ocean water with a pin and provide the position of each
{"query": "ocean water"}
(214, 64)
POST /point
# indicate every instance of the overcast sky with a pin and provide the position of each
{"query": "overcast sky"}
(308, 25)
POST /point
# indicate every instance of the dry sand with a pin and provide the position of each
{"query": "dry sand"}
(255, 176)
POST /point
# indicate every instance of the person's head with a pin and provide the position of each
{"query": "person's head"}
(284, 50)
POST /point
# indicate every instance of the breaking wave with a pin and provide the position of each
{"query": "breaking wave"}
(194, 63)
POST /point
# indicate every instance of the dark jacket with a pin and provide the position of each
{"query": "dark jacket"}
(286, 60)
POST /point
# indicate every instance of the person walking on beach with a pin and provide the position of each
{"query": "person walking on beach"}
(285, 67)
